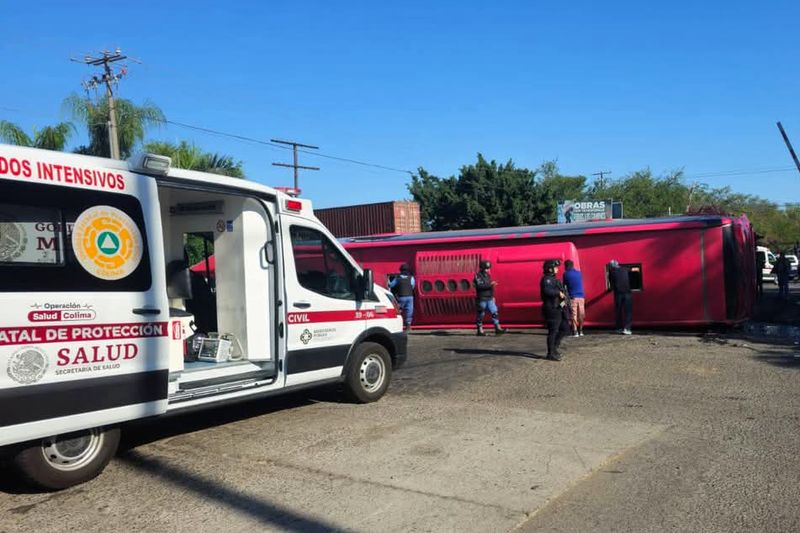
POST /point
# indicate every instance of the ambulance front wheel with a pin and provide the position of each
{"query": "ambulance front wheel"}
(61, 461)
(368, 373)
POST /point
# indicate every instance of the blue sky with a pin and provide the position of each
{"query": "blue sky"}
(613, 86)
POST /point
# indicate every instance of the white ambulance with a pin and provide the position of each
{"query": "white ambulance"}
(132, 289)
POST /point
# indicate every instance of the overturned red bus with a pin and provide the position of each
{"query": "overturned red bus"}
(687, 270)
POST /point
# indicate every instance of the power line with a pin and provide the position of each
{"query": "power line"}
(275, 144)
(246, 138)
(711, 174)
(741, 172)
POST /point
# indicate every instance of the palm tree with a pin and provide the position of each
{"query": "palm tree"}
(189, 156)
(48, 138)
(132, 121)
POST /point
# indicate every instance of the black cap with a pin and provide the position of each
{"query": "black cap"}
(485, 264)
(550, 264)
(404, 268)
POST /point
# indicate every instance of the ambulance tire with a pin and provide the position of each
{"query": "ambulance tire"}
(369, 373)
(58, 462)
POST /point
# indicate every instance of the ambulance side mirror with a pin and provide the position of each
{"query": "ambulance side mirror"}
(367, 283)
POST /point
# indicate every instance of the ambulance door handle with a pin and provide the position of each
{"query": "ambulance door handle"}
(302, 305)
(146, 311)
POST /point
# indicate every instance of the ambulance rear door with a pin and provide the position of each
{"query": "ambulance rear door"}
(83, 311)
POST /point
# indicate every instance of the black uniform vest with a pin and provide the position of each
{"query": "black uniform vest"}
(403, 286)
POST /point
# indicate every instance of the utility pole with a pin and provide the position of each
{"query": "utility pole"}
(789, 146)
(601, 175)
(108, 77)
(295, 166)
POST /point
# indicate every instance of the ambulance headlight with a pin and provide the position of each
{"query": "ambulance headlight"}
(151, 164)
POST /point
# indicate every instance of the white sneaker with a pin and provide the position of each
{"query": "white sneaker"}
(580, 334)
(627, 332)
(575, 335)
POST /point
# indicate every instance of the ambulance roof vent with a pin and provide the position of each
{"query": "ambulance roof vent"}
(150, 164)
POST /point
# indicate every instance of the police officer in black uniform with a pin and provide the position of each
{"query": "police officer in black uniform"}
(555, 306)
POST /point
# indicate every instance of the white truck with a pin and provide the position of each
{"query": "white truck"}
(105, 319)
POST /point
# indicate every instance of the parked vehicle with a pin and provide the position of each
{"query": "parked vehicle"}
(686, 270)
(793, 263)
(767, 258)
(104, 322)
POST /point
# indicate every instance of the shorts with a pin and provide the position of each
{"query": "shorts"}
(578, 310)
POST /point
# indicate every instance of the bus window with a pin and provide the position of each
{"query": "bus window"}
(634, 276)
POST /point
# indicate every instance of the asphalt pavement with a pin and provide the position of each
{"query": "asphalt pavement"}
(658, 431)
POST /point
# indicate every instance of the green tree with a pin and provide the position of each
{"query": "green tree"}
(644, 195)
(484, 195)
(189, 156)
(48, 138)
(132, 122)
(559, 187)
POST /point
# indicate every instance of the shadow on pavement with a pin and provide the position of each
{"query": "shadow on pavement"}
(474, 354)
(141, 432)
(269, 514)
(781, 359)
(487, 352)
(773, 310)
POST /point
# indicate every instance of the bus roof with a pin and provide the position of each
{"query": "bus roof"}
(545, 230)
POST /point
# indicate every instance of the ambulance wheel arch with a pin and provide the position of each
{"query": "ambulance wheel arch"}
(385, 338)
(368, 372)
(62, 461)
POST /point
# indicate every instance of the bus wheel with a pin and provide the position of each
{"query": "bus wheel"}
(62, 461)
(369, 373)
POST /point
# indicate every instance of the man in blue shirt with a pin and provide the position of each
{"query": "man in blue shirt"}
(573, 281)
(402, 286)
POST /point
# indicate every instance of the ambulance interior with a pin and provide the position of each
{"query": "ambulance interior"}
(220, 285)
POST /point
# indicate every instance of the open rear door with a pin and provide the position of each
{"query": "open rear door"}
(84, 335)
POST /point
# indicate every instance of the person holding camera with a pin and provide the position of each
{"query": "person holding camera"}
(555, 307)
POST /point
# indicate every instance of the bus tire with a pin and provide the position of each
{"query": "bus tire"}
(369, 373)
(61, 461)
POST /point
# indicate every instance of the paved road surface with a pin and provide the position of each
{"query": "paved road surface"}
(646, 433)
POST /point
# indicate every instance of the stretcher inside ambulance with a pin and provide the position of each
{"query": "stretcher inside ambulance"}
(131, 289)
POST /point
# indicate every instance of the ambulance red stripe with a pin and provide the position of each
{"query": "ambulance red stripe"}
(312, 317)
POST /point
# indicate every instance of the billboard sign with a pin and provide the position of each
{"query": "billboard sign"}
(569, 211)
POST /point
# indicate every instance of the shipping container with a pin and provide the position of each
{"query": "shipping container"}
(371, 219)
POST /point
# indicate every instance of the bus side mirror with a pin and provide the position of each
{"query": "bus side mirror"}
(367, 283)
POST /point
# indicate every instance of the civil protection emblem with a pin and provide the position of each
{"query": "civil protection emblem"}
(306, 336)
(27, 366)
(107, 242)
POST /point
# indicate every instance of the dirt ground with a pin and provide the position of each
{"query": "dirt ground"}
(657, 431)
